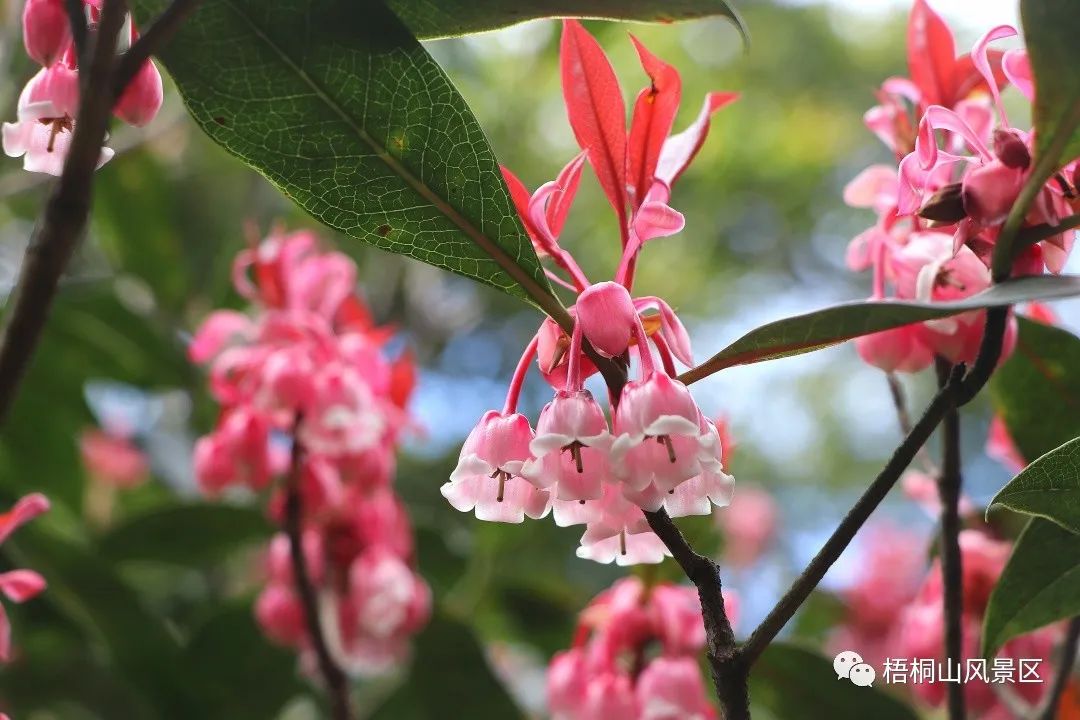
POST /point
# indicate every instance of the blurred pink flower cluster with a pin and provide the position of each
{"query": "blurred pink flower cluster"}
(48, 105)
(895, 606)
(309, 395)
(18, 585)
(961, 167)
(659, 450)
(635, 657)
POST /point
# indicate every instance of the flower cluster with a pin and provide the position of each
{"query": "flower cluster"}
(895, 606)
(48, 106)
(18, 585)
(635, 657)
(309, 395)
(921, 626)
(659, 450)
(961, 166)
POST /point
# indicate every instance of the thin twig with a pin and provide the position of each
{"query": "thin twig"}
(729, 671)
(337, 686)
(76, 12)
(903, 416)
(800, 590)
(1048, 708)
(949, 484)
(65, 216)
(1037, 233)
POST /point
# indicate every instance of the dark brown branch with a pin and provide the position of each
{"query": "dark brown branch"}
(949, 484)
(903, 416)
(337, 686)
(1048, 708)
(76, 12)
(60, 227)
(802, 587)
(729, 671)
(65, 216)
(1037, 233)
(155, 37)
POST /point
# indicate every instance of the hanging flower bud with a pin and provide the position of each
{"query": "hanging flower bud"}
(46, 30)
(607, 316)
(141, 100)
(1011, 150)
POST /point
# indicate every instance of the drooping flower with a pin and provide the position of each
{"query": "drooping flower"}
(488, 478)
(570, 450)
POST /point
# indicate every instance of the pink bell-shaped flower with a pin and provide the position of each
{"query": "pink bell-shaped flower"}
(616, 529)
(237, 453)
(607, 316)
(658, 436)
(571, 447)
(46, 120)
(711, 487)
(46, 30)
(488, 479)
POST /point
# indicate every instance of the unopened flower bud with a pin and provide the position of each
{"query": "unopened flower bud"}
(46, 32)
(143, 97)
(945, 207)
(1011, 150)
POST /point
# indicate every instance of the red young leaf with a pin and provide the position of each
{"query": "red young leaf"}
(680, 149)
(967, 79)
(519, 194)
(654, 113)
(931, 55)
(559, 205)
(597, 113)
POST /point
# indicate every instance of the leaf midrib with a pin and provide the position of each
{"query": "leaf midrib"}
(544, 299)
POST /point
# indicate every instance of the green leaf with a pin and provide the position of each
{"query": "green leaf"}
(236, 672)
(1048, 488)
(1051, 28)
(189, 535)
(832, 325)
(457, 17)
(339, 106)
(448, 662)
(793, 682)
(1040, 585)
(1037, 391)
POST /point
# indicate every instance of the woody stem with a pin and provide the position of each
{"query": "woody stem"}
(337, 687)
(949, 483)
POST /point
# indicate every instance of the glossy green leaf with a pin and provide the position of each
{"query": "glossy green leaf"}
(793, 682)
(339, 106)
(1048, 487)
(448, 662)
(829, 326)
(1037, 391)
(189, 535)
(457, 17)
(1040, 585)
(1051, 28)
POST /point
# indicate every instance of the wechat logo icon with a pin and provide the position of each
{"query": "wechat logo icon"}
(849, 665)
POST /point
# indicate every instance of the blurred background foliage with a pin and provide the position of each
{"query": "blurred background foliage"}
(148, 610)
